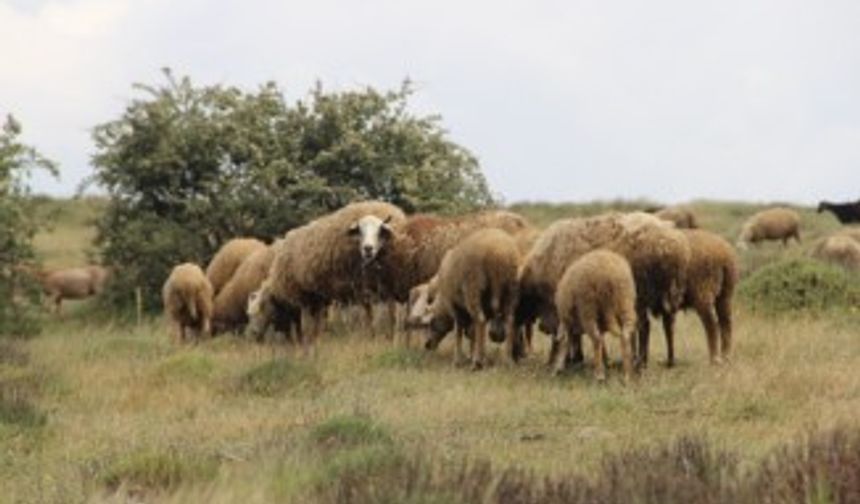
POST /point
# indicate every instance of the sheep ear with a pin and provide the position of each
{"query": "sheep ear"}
(388, 219)
(353, 230)
(385, 231)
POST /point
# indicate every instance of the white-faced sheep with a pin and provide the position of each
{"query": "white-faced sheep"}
(336, 257)
(187, 297)
(712, 275)
(477, 286)
(596, 295)
(231, 304)
(228, 258)
(264, 311)
(70, 283)
(682, 216)
(657, 253)
(771, 224)
(840, 249)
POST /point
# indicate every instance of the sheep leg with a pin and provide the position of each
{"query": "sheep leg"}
(559, 350)
(368, 318)
(669, 331)
(709, 323)
(625, 334)
(480, 336)
(644, 330)
(724, 315)
(528, 333)
(575, 354)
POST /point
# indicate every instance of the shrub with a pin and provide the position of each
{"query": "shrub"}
(800, 284)
(188, 167)
(18, 224)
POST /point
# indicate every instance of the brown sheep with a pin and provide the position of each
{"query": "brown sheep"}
(596, 295)
(227, 260)
(264, 311)
(840, 249)
(337, 257)
(70, 283)
(682, 216)
(771, 224)
(658, 255)
(187, 296)
(477, 286)
(712, 275)
(231, 304)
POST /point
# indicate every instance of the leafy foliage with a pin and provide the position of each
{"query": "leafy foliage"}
(189, 167)
(790, 285)
(18, 224)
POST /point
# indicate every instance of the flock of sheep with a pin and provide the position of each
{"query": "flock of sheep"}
(484, 276)
(489, 275)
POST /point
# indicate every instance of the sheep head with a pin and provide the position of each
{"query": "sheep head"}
(372, 233)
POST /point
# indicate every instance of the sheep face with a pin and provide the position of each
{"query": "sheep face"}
(440, 325)
(260, 312)
(420, 303)
(372, 233)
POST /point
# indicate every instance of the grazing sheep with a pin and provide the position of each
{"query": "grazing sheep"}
(840, 249)
(681, 215)
(846, 213)
(596, 295)
(187, 296)
(771, 224)
(657, 253)
(477, 286)
(264, 310)
(337, 257)
(70, 283)
(228, 258)
(712, 275)
(231, 304)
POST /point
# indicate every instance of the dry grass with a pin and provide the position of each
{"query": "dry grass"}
(115, 413)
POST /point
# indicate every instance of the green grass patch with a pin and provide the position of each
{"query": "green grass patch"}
(279, 376)
(188, 366)
(800, 285)
(400, 358)
(157, 470)
(349, 431)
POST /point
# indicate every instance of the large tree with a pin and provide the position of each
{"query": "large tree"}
(188, 167)
(18, 225)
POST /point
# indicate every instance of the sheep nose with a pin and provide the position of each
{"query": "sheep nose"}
(367, 250)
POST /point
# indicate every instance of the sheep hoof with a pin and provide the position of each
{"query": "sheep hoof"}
(477, 366)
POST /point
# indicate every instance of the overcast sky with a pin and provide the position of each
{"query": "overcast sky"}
(563, 101)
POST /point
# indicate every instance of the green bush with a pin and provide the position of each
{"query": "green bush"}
(188, 167)
(801, 284)
(18, 225)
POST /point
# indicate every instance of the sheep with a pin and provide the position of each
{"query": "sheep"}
(682, 216)
(264, 310)
(477, 286)
(187, 297)
(658, 255)
(772, 224)
(597, 294)
(70, 283)
(846, 213)
(337, 257)
(230, 305)
(228, 258)
(712, 275)
(840, 249)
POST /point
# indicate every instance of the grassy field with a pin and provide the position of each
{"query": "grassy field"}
(106, 412)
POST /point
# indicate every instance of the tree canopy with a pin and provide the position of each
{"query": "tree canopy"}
(188, 167)
(18, 225)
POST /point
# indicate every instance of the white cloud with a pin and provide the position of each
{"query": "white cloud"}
(561, 100)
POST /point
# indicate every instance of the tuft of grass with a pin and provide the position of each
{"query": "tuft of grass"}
(126, 347)
(400, 358)
(17, 397)
(11, 353)
(349, 431)
(279, 376)
(152, 470)
(800, 284)
(188, 366)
